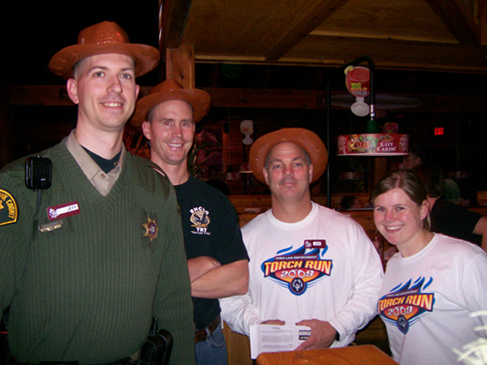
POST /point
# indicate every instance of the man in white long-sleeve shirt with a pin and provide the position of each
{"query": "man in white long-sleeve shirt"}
(309, 265)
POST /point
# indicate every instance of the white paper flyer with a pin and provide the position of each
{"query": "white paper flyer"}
(270, 338)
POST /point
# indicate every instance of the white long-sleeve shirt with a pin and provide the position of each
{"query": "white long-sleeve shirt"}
(337, 279)
(427, 298)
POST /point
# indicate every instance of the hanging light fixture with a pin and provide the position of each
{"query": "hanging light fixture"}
(370, 143)
(357, 80)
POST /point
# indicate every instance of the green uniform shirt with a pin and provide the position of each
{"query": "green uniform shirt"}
(87, 291)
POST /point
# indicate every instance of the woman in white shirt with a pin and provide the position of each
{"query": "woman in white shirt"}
(432, 284)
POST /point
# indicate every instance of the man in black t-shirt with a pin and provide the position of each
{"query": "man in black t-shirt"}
(446, 217)
(217, 258)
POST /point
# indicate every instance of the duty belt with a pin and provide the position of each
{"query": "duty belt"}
(202, 335)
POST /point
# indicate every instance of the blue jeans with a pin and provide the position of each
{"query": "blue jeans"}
(212, 351)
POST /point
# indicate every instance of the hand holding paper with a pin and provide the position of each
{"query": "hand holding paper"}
(322, 335)
(270, 338)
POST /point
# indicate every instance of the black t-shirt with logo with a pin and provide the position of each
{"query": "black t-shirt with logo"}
(211, 228)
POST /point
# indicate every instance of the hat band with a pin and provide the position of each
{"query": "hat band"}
(106, 38)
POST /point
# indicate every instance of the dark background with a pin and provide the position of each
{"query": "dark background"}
(34, 31)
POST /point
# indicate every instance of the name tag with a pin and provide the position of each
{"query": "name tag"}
(315, 243)
(62, 211)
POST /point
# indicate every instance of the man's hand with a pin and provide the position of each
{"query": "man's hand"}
(322, 335)
(481, 229)
(275, 322)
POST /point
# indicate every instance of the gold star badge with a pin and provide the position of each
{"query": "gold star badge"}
(150, 229)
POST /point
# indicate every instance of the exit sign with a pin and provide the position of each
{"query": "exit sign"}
(439, 131)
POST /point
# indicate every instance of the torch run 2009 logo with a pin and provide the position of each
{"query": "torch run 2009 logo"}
(406, 304)
(297, 270)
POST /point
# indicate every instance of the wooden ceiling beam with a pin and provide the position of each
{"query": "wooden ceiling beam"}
(458, 19)
(314, 18)
(172, 19)
(390, 54)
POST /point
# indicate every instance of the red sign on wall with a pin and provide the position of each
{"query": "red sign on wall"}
(439, 131)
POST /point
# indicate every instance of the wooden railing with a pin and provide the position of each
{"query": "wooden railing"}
(249, 206)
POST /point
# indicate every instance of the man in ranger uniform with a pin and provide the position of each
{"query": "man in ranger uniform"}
(89, 257)
(217, 259)
(309, 265)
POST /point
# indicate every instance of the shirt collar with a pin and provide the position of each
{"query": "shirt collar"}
(100, 180)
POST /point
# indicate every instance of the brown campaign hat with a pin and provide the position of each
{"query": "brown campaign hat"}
(304, 138)
(101, 38)
(171, 90)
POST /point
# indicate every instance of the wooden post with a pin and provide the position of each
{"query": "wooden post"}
(380, 169)
(180, 65)
(483, 22)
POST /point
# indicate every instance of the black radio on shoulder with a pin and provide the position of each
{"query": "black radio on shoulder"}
(38, 173)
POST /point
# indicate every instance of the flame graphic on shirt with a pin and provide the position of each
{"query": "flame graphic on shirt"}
(406, 304)
(299, 269)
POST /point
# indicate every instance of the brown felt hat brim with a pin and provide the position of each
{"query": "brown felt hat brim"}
(199, 99)
(145, 57)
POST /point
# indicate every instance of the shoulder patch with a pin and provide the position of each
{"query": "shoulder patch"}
(9, 211)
